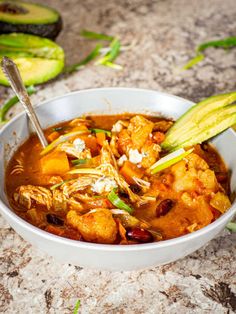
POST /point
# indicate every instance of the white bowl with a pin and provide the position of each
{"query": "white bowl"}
(102, 256)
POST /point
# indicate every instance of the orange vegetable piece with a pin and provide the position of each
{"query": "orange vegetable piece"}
(91, 143)
(129, 170)
(158, 137)
(124, 142)
(55, 163)
(53, 136)
(101, 137)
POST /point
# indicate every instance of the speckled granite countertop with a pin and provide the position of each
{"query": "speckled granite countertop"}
(165, 33)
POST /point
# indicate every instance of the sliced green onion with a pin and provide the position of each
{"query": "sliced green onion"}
(113, 65)
(11, 102)
(91, 56)
(231, 226)
(116, 201)
(225, 43)
(86, 170)
(76, 309)
(228, 42)
(169, 160)
(55, 186)
(199, 57)
(112, 54)
(79, 161)
(93, 35)
(63, 138)
(108, 133)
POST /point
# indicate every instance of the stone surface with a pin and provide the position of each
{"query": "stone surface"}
(163, 34)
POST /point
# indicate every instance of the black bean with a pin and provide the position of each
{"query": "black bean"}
(204, 146)
(123, 194)
(53, 219)
(139, 234)
(135, 188)
(164, 207)
(221, 176)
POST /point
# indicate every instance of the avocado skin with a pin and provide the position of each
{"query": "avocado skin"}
(43, 30)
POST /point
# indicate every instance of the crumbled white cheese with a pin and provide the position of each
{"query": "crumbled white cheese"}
(134, 156)
(103, 185)
(117, 127)
(121, 160)
(79, 145)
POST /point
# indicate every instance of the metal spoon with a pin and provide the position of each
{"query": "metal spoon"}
(12, 73)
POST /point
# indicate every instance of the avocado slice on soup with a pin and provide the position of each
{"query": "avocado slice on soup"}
(202, 121)
(29, 18)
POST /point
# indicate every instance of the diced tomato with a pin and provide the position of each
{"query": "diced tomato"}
(158, 137)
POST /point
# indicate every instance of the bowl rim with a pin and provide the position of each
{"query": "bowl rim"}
(8, 212)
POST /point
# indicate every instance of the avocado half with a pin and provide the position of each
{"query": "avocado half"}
(29, 18)
(38, 59)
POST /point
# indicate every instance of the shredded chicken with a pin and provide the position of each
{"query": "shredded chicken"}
(107, 155)
(78, 184)
(113, 145)
(25, 195)
(71, 150)
(109, 171)
(59, 200)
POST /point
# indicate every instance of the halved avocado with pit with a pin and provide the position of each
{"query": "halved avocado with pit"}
(29, 18)
(39, 59)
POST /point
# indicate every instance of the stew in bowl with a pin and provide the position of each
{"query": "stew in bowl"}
(95, 182)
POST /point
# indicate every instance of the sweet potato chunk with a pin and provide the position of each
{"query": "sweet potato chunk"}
(129, 171)
(98, 226)
(101, 137)
(55, 163)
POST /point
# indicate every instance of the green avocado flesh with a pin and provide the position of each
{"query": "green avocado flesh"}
(38, 59)
(225, 123)
(29, 18)
(17, 12)
(204, 120)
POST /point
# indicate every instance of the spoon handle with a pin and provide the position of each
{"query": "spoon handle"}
(12, 73)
